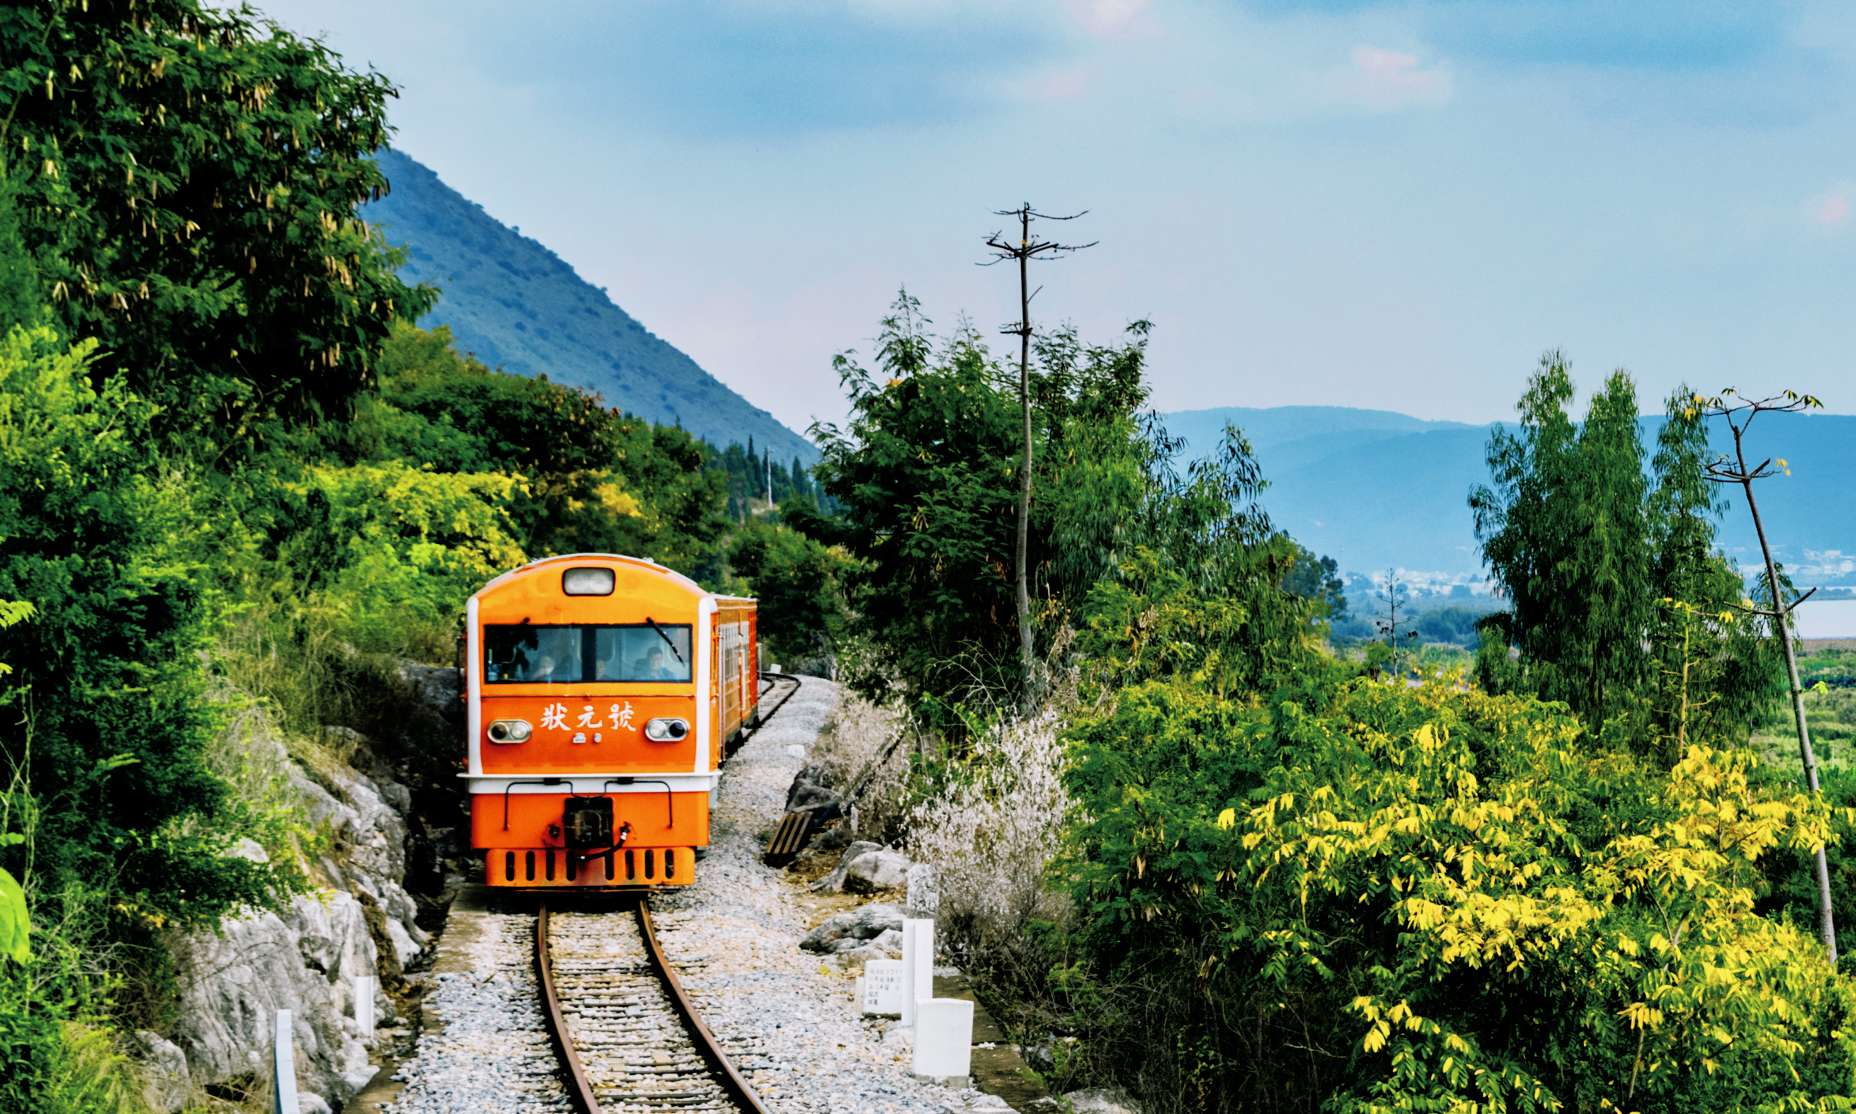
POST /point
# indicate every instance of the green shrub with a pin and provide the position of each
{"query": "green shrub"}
(800, 585)
(100, 537)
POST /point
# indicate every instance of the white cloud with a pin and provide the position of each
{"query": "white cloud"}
(1382, 80)
(1107, 19)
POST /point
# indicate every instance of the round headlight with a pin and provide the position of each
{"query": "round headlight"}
(666, 729)
(510, 731)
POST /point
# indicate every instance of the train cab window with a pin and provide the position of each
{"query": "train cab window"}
(642, 653)
(530, 654)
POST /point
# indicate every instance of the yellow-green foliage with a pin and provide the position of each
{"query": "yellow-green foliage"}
(1373, 898)
(416, 544)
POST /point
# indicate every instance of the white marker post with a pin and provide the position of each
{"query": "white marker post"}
(364, 1005)
(283, 1068)
(917, 965)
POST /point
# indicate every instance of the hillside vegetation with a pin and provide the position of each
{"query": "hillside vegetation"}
(233, 470)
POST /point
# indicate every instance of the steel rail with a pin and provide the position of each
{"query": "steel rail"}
(579, 1087)
(732, 1080)
(776, 677)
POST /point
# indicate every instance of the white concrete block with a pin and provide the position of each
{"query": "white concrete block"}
(943, 1038)
(917, 965)
(880, 988)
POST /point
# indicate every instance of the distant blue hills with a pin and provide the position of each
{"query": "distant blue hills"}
(515, 305)
(1376, 489)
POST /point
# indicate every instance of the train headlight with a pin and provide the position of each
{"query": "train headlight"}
(587, 582)
(510, 731)
(666, 729)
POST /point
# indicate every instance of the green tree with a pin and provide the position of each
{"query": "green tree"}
(1713, 671)
(186, 181)
(1317, 578)
(923, 482)
(1586, 549)
(923, 477)
(800, 585)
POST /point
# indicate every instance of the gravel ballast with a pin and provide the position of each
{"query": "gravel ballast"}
(788, 1020)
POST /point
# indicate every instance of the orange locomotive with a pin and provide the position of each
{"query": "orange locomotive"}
(603, 692)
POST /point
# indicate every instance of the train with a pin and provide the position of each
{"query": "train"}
(603, 693)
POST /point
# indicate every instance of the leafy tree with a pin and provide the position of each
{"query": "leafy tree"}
(923, 482)
(923, 477)
(1318, 578)
(800, 585)
(186, 180)
(1588, 550)
(1713, 670)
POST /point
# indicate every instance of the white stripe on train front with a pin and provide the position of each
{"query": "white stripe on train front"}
(473, 688)
(705, 696)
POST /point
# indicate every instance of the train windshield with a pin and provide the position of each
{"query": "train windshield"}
(532, 655)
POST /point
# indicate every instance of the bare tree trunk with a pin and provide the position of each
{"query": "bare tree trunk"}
(1027, 659)
(1781, 624)
(1023, 251)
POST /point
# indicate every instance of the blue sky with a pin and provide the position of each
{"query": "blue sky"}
(1394, 205)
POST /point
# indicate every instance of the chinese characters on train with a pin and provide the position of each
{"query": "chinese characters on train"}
(554, 717)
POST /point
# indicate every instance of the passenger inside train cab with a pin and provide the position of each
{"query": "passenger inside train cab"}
(657, 666)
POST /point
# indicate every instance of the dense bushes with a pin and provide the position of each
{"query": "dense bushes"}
(118, 826)
(1249, 877)
(1364, 897)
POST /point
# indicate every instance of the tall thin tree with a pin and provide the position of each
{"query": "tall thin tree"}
(1739, 412)
(1024, 251)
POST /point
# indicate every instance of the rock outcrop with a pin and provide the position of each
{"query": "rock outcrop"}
(360, 920)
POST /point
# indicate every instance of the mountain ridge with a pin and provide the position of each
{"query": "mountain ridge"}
(514, 303)
(1379, 489)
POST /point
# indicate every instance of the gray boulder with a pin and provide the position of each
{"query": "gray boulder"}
(864, 923)
(1101, 1100)
(833, 883)
(234, 981)
(881, 869)
(166, 1081)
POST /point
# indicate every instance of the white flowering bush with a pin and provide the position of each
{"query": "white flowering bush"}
(861, 751)
(992, 828)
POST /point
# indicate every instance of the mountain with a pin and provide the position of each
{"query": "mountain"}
(514, 304)
(1376, 489)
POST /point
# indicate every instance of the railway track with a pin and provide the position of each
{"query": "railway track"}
(773, 680)
(627, 1035)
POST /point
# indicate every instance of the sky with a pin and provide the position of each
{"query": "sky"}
(1342, 202)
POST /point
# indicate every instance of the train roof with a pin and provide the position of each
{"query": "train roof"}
(665, 572)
